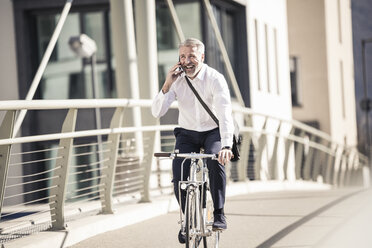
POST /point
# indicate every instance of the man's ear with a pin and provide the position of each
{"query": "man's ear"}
(202, 57)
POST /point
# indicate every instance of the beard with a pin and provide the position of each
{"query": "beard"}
(191, 70)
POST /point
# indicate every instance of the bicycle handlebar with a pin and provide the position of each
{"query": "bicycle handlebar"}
(185, 155)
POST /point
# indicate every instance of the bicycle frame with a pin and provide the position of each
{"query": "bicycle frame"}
(197, 187)
(198, 190)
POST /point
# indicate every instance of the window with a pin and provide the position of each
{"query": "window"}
(68, 76)
(231, 22)
(295, 87)
(276, 62)
(195, 23)
(339, 19)
(342, 88)
(267, 58)
(167, 40)
(259, 87)
(164, 28)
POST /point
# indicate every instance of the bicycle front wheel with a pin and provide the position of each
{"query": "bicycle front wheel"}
(192, 220)
(211, 240)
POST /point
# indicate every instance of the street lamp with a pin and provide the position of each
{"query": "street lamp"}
(85, 47)
(366, 103)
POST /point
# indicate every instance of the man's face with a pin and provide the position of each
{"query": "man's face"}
(191, 60)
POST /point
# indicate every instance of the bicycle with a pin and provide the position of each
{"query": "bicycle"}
(197, 223)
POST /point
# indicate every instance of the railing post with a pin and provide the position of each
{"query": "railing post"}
(58, 192)
(273, 168)
(288, 144)
(109, 167)
(350, 168)
(343, 168)
(366, 175)
(329, 170)
(309, 160)
(299, 154)
(325, 162)
(148, 161)
(262, 142)
(6, 132)
(337, 165)
(318, 160)
(242, 164)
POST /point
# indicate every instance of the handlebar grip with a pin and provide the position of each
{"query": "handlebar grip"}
(162, 154)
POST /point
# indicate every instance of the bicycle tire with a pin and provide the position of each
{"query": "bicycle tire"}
(212, 240)
(191, 221)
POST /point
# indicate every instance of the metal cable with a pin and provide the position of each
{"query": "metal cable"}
(30, 192)
(92, 144)
(40, 180)
(37, 151)
(129, 171)
(22, 204)
(89, 193)
(129, 179)
(86, 188)
(86, 180)
(35, 174)
(91, 164)
(90, 153)
(36, 161)
(86, 171)
(129, 184)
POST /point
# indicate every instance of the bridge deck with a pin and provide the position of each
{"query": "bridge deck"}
(335, 218)
(286, 218)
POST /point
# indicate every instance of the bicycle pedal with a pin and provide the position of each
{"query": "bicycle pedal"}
(220, 230)
(208, 233)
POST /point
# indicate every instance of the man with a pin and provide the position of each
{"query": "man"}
(197, 129)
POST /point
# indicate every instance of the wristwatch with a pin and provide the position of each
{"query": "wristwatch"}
(226, 147)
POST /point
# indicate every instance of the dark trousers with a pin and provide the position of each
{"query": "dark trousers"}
(192, 141)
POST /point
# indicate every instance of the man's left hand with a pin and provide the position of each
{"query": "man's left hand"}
(224, 156)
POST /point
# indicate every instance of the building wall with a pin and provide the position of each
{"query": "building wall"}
(269, 77)
(362, 23)
(268, 57)
(307, 35)
(340, 71)
(8, 67)
(320, 36)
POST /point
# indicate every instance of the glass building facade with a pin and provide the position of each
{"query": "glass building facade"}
(68, 76)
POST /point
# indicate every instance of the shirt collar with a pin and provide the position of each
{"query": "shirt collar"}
(201, 73)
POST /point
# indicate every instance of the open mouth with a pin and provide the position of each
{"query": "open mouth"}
(189, 67)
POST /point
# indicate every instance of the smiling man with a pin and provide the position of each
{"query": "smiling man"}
(196, 128)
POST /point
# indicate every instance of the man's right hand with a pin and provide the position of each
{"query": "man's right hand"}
(172, 75)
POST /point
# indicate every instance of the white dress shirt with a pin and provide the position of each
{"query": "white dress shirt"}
(212, 88)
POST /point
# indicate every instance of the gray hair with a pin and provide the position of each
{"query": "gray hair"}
(192, 42)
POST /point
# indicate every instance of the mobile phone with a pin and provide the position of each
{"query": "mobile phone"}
(180, 67)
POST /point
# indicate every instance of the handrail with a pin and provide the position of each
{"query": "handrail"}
(80, 134)
(74, 103)
(293, 122)
(112, 103)
(98, 182)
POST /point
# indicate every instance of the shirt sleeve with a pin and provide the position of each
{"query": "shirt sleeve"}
(162, 102)
(222, 103)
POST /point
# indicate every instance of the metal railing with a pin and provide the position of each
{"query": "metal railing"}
(61, 176)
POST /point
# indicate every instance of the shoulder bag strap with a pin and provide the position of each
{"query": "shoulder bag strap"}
(201, 101)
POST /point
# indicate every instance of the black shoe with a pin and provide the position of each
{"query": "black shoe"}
(219, 222)
(181, 237)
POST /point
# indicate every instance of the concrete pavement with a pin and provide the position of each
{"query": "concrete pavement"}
(326, 219)
(257, 212)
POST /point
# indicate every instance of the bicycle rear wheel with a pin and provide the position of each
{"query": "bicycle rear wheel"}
(192, 221)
